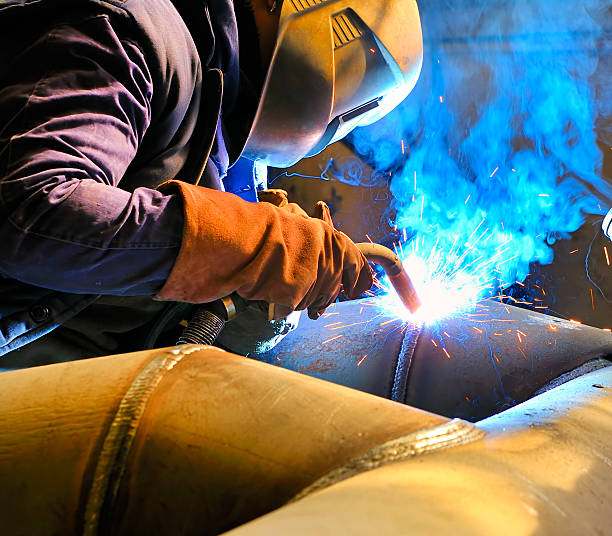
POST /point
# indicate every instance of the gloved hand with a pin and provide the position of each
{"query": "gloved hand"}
(262, 252)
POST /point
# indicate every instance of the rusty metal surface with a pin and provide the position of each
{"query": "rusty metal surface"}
(353, 344)
(470, 365)
(479, 363)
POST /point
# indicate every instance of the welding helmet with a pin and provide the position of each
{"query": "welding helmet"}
(336, 64)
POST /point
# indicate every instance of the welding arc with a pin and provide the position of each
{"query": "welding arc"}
(392, 265)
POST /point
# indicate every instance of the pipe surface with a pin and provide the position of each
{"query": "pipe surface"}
(185, 440)
(469, 365)
(543, 468)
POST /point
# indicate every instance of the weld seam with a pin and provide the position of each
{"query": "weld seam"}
(113, 456)
(443, 436)
(404, 362)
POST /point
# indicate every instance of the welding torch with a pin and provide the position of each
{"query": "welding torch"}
(208, 320)
(393, 267)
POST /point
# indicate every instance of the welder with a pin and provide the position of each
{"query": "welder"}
(134, 140)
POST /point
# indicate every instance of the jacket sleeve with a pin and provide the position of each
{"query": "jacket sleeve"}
(74, 107)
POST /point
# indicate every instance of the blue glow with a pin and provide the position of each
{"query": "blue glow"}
(444, 280)
(500, 134)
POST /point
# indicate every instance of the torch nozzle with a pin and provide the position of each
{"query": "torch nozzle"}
(392, 265)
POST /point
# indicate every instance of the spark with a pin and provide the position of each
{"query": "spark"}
(575, 321)
(494, 172)
(403, 147)
(592, 300)
(521, 350)
(574, 251)
(348, 325)
(447, 354)
(333, 324)
(332, 339)
(361, 360)
(607, 256)
(467, 199)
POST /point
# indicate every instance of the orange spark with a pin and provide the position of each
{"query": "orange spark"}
(332, 339)
(477, 330)
(607, 329)
(574, 251)
(592, 300)
(434, 343)
(441, 99)
(553, 328)
(333, 324)
(447, 354)
(607, 256)
(385, 323)
(361, 360)
(575, 321)
(521, 350)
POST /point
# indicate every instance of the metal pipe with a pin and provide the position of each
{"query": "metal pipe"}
(185, 440)
(469, 365)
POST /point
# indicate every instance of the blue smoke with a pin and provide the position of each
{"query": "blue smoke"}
(506, 125)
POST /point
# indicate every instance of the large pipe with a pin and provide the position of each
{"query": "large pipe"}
(543, 468)
(469, 365)
(187, 440)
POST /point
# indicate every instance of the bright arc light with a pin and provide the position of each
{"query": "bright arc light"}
(445, 282)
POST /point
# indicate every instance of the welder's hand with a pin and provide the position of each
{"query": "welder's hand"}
(262, 252)
(322, 212)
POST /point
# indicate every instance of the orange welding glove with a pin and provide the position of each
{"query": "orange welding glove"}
(261, 251)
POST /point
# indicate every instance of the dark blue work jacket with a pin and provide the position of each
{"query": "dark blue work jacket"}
(158, 82)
